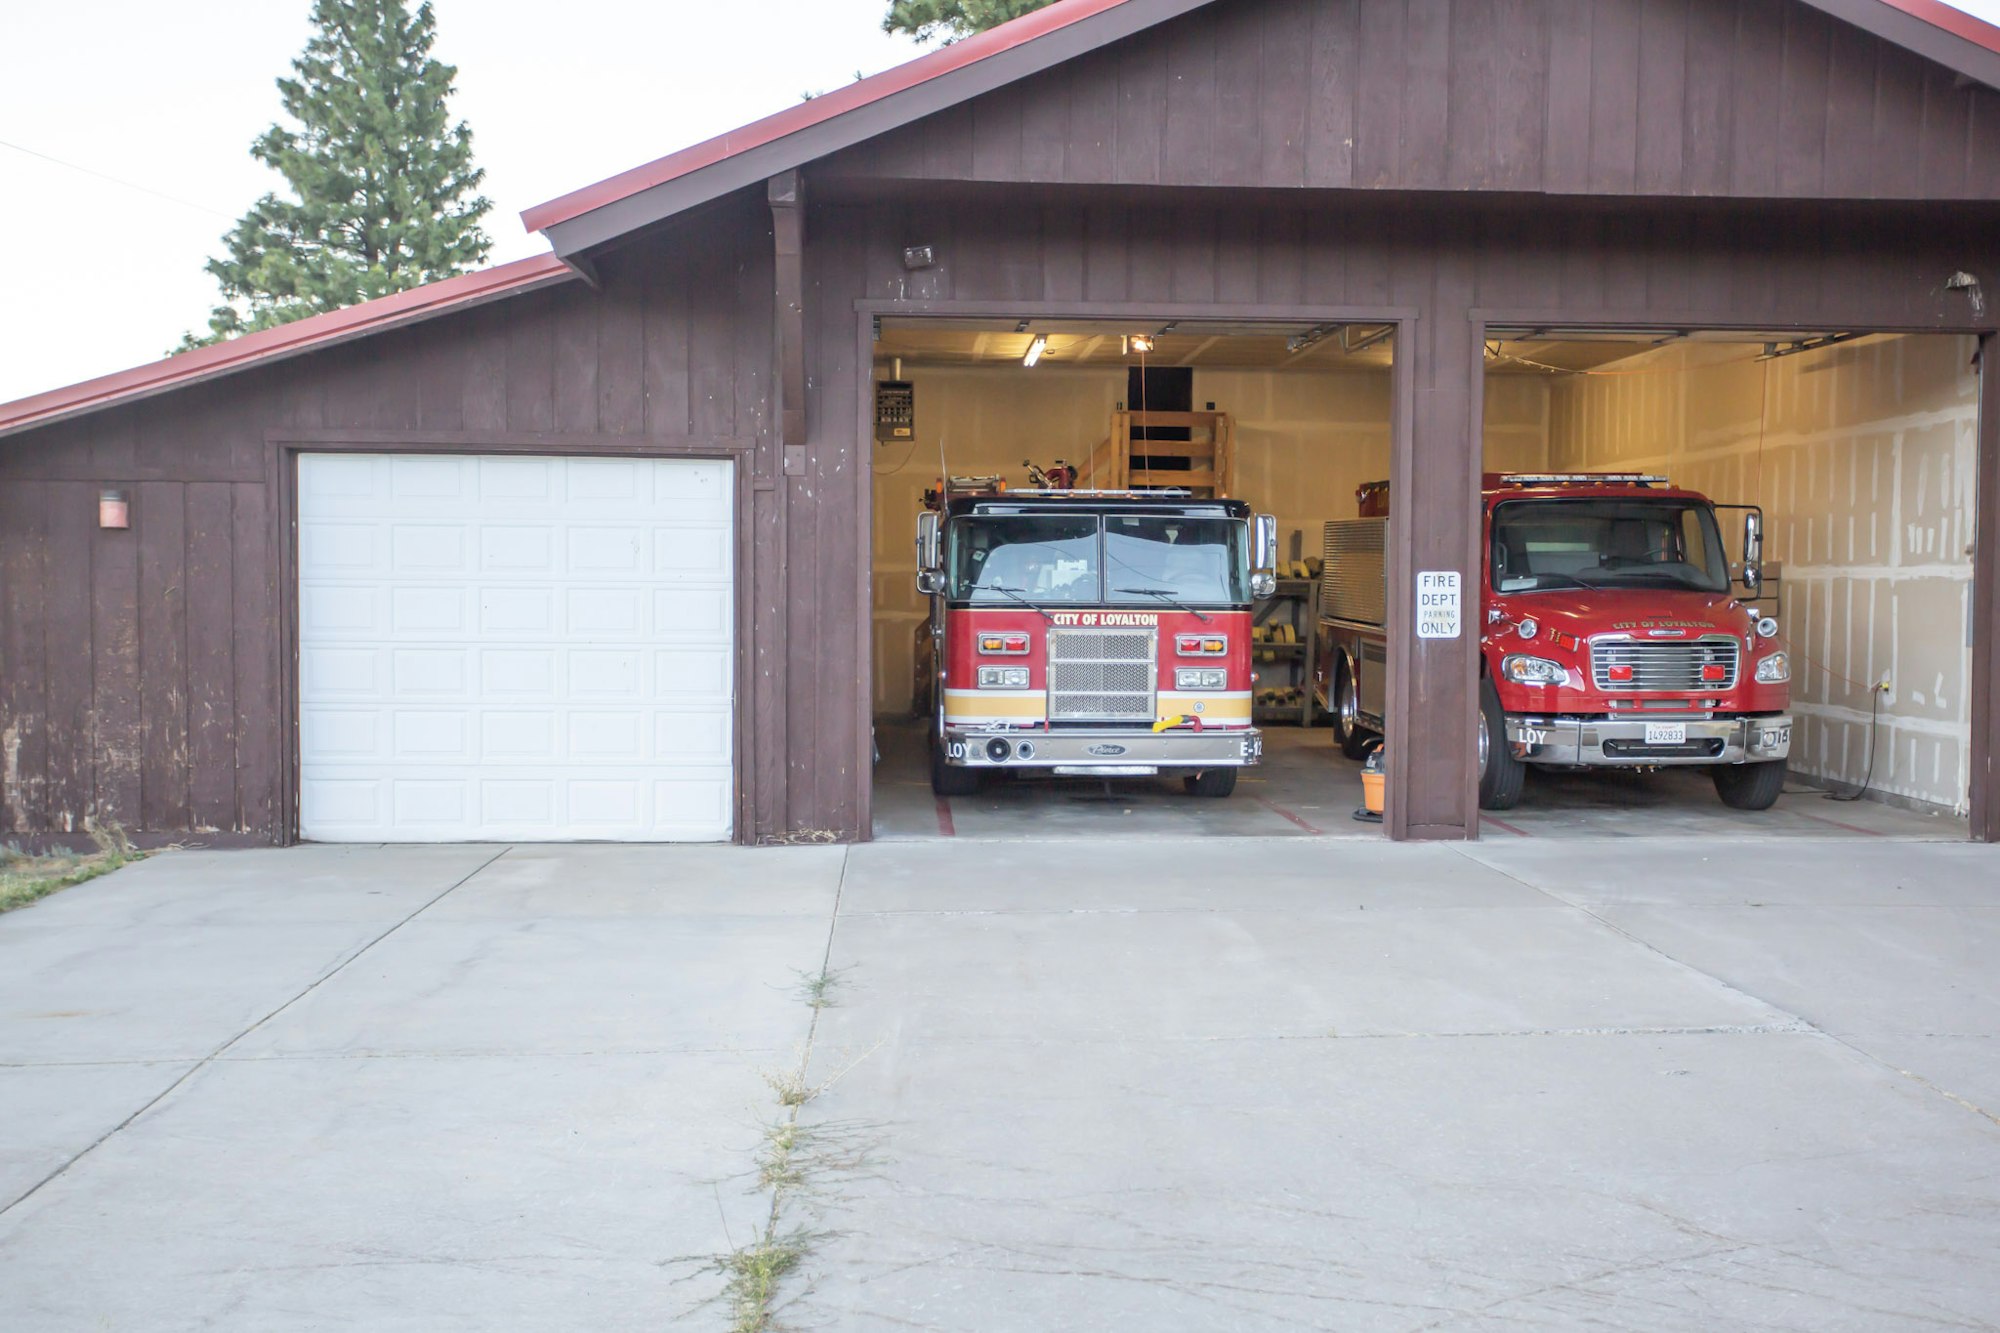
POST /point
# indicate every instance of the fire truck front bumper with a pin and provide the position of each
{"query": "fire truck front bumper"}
(1649, 742)
(1104, 752)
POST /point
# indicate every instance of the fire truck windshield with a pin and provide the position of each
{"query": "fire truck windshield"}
(1587, 542)
(1062, 559)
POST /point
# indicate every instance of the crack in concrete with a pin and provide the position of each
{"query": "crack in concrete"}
(218, 1052)
(1805, 1024)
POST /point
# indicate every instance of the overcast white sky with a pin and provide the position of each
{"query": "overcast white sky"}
(100, 276)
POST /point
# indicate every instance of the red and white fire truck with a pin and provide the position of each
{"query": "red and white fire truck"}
(1089, 633)
(1610, 635)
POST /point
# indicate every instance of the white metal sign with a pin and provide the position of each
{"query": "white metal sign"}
(1437, 604)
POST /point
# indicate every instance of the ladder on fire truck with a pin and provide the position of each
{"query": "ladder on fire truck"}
(1203, 465)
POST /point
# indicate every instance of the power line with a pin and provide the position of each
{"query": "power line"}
(130, 185)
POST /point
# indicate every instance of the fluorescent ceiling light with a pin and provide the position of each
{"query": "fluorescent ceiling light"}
(1034, 353)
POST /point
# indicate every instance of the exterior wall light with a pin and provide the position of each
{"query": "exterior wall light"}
(114, 510)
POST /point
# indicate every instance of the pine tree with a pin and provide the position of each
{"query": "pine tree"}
(383, 183)
(953, 19)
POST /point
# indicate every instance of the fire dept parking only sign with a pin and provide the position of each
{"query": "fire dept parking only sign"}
(1437, 604)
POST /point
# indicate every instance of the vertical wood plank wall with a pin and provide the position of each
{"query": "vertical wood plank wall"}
(141, 677)
(1679, 265)
(1753, 99)
(140, 672)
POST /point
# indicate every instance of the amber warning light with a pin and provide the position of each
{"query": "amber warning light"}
(1197, 645)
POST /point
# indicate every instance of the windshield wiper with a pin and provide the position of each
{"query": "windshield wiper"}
(1554, 574)
(1015, 593)
(1166, 596)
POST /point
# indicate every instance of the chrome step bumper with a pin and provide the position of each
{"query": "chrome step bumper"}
(1621, 742)
(1104, 748)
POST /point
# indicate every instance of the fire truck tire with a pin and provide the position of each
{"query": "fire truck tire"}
(949, 779)
(1354, 739)
(1217, 782)
(1500, 773)
(1749, 786)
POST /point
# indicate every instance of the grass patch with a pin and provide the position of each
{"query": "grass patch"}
(27, 878)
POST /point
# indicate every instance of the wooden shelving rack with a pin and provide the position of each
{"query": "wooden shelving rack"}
(1211, 455)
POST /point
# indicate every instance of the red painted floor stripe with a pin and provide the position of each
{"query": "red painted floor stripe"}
(1277, 809)
(1851, 828)
(1501, 823)
(946, 829)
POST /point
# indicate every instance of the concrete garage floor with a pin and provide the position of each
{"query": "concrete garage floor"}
(1306, 788)
(1173, 1083)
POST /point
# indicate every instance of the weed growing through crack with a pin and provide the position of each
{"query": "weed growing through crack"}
(819, 990)
(793, 1162)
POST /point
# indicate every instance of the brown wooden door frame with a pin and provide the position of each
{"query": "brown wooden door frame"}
(1149, 314)
(1984, 802)
(282, 450)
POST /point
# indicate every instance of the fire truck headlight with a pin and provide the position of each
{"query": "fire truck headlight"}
(1525, 670)
(1200, 678)
(1775, 669)
(1003, 678)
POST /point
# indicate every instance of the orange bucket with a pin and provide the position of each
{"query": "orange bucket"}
(1374, 776)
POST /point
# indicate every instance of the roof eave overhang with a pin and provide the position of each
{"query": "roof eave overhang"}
(646, 207)
(283, 343)
(1961, 42)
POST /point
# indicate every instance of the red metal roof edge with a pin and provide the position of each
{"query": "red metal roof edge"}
(285, 340)
(829, 106)
(1955, 21)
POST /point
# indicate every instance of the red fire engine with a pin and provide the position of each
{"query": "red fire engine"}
(1611, 636)
(1089, 633)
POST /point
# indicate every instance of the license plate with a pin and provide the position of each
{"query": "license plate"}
(1666, 733)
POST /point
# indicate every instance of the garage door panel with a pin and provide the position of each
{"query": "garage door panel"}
(511, 648)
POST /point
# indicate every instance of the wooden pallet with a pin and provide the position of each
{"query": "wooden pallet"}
(1211, 455)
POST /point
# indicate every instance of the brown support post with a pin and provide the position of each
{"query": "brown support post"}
(787, 196)
(1985, 798)
(1434, 496)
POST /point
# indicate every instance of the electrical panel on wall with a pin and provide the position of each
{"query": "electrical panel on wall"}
(895, 411)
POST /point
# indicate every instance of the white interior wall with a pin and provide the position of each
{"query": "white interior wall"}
(1305, 441)
(1863, 457)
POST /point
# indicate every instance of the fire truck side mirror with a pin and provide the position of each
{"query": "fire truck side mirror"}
(1753, 549)
(1264, 555)
(930, 578)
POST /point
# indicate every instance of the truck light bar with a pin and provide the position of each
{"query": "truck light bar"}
(1576, 478)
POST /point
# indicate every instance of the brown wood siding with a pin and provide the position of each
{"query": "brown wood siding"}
(1170, 254)
(141, 672)
(144, 674)
(1738, 98)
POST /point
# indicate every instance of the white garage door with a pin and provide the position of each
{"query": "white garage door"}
(514, 648)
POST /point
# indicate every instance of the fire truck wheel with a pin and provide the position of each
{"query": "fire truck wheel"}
(950, 779)
(1355, 740)
(1500, 773)
(1211, 782)
(1749, 786)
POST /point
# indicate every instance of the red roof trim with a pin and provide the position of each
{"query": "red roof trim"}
(1954, 21)
(285, 340)
(957, 56)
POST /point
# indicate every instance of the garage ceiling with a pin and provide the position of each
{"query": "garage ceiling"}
(1259, 346)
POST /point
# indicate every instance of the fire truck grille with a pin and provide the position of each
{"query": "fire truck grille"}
(1684, 668)
(1101, 675)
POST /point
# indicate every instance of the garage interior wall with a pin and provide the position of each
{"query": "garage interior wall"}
(1863, 456)
(1304, 441)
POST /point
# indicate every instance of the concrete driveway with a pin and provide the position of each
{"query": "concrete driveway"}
(1200, 1084)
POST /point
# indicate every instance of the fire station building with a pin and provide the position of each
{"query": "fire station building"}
(614, 543)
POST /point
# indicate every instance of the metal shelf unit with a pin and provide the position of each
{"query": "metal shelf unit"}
(1286, 666)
